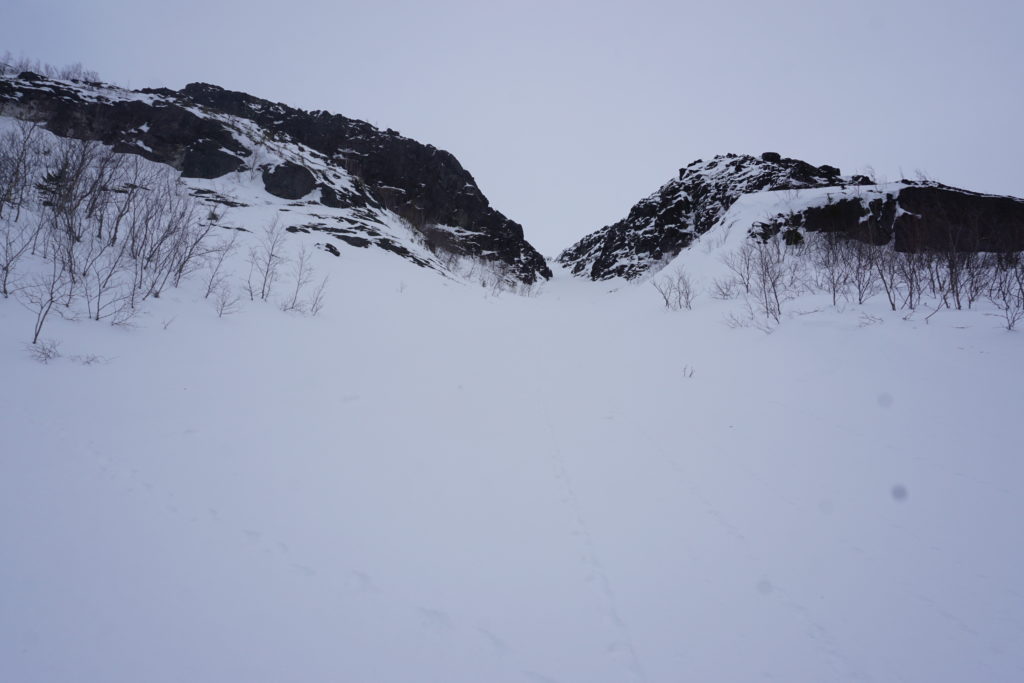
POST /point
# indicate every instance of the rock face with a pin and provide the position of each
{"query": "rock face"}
(911, 215)
(205, 131)
(660, 226)
(916, 216)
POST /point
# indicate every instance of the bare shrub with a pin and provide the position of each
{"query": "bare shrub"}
(302, 274)
(215, 258)
(1006, 292)
(829, 258)
(265, 260)
(741, 264)
(887, 267)
(89, 359)
(44, 350)
(11, 65)
(860, 265)
(724, 288)
(316, 300)
(113, 229)
(42, 292)
(225, 301)
(676, 290)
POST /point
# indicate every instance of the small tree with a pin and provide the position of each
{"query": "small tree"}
(1006, 291)
(676, 290)
(302, 272)
(42, 292)
(265, 260)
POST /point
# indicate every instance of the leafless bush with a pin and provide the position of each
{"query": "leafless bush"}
(16, 239)
(302, 274)
(89, 359)
(741, 264)
(44, 350)
(225, 301)
(20, 160)
(830, 259)
(860, 265)
(316, 300)
(887, 267)
(215, 258)
(676, 290)
(265, 260)
(910, 270)
(11, 65)
(1006, 292)
(776, 278)
(724, 288)
(42, 292)
(112, 229)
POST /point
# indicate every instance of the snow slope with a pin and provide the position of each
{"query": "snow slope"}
(428, 482)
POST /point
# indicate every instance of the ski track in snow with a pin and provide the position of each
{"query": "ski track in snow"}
(621, 647)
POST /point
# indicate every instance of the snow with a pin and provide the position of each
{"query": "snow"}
(431, 482)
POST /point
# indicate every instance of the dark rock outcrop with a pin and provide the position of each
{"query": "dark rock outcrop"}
(288, 181)
(915, 217)
(660, 226)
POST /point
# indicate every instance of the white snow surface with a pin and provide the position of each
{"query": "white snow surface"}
(428, 482)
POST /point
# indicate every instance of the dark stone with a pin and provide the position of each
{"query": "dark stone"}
(202, 161)
(329, 248)
(941, 218)
(828, 171)
(920, 218)
(355, 241)
(773, 157)
(288, 181)
(792, 237)
(328, 197)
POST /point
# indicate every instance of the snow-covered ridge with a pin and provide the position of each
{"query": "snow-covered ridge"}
(914, 214)
(341, 177)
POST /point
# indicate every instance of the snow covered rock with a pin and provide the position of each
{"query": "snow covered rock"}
(288, 181)
(207, 132)
(660, 226)
(917, 215)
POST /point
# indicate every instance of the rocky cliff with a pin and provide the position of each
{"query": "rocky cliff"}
(911, 215)
(318, 158)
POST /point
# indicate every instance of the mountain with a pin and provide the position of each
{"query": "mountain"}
(913, 214)
(317, 161)
(228, 456)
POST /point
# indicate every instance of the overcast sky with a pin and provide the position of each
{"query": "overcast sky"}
(567, 113)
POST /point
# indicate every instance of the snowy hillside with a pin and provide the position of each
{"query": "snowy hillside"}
(246, 448)
(341, 178)
(915, 215)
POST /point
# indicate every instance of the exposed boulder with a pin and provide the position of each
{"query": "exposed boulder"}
(288, 180)
(206, 159)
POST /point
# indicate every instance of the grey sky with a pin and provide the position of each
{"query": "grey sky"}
(569, 112)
